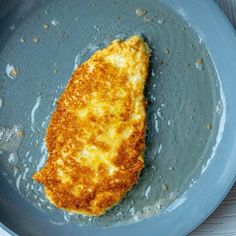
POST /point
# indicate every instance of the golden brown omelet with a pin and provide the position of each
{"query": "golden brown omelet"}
(95, 137)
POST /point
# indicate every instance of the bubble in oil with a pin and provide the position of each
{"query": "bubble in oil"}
(13, 159)
(11, 138)
(97, 28)
(55, 22)
(12, 27)
(161, 21)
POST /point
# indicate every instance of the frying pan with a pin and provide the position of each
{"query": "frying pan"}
(190, 159)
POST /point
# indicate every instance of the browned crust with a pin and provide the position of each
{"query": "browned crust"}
(69, 133)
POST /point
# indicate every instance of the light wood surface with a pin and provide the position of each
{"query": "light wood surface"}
(223, 221)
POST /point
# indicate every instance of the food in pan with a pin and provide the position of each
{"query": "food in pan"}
(95, 137)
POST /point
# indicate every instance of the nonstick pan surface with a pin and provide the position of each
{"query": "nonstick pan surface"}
(190, 159)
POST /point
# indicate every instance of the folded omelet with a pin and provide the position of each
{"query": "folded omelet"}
(95, 137)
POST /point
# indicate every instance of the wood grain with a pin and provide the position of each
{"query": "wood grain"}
(223, 221)
(229, 8)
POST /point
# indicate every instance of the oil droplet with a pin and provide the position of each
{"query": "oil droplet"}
(11, 138)
(43, 157)
(45, 26)
(54, 102)
(15, 172)
(22, 40)
(36, 39)
(171, 168)
(147, 19)
(131, 210)
(199, 64)
(12, 27)
(11, 71)
(55, 22)
(147, 192)
(25, 173)
(1, 102)
(161, 21)
(159, 114)
(156, 123)
(140, 12)
(159, 149)
(33, 111)
(84, 54)
(44, 123)
(55, 71)
(13, 159)
(167, 51)
(96, 28)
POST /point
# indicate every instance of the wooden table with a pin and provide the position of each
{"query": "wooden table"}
(223, 221)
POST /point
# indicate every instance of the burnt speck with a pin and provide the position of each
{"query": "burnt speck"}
(167, 51)
(209, 126)
(164, 187)
(199, 64)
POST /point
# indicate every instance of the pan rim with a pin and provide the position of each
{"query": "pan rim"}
(209, 11)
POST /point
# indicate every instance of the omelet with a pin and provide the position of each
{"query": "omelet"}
(96, 135)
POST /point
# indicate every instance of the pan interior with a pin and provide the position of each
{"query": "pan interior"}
(44, 43)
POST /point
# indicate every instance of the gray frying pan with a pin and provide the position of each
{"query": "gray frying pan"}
(190, 159)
